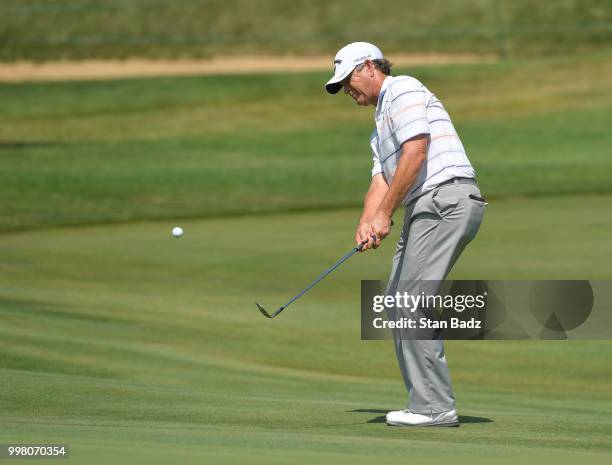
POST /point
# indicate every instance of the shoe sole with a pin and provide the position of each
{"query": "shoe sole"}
(450, 423)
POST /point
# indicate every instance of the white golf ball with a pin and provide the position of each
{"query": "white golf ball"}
(177, 231)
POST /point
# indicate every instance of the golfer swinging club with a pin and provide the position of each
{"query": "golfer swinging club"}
(420, 163)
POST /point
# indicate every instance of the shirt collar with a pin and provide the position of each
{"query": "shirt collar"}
(381, 95)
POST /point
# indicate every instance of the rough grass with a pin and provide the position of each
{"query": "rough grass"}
(96, 152)
(48, 30)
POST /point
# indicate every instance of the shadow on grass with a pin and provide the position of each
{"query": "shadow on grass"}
(9, 145)
(31, 308)
(381, 419)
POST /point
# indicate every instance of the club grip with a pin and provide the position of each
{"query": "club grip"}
(360, 246)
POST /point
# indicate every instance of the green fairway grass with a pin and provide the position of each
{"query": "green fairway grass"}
(121, 340)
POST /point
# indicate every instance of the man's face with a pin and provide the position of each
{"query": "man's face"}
(358, 85)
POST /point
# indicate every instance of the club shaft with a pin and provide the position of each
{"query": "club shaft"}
(322, 275)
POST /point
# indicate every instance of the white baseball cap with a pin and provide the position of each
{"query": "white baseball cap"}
(347, 58)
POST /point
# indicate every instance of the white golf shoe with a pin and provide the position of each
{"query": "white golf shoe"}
(408, 418)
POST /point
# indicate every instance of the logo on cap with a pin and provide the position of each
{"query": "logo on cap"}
(336, 62)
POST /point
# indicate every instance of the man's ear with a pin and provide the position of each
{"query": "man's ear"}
(370, 66)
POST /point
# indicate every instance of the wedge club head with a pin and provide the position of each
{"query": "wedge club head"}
(266, 314)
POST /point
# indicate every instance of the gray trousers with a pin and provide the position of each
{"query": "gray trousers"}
(437, 227)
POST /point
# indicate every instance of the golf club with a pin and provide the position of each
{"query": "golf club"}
(311, 285)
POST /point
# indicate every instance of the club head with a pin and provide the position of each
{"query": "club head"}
(263, 311)
(268, 315)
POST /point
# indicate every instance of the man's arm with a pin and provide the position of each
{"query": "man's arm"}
(373, 198)
(414, 154)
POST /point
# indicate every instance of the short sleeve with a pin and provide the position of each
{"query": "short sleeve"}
(407, 110)
(376, 165)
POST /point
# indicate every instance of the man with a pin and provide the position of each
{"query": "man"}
(419, 162)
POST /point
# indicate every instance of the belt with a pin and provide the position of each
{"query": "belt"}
(458, 181)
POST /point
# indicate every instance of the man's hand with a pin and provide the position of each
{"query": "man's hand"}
(362, 235)
(380, 227)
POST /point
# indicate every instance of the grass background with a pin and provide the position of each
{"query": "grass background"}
(56, 29)
(134, 347)
(96, 152)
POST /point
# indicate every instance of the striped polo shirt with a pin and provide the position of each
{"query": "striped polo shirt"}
(405, 109)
